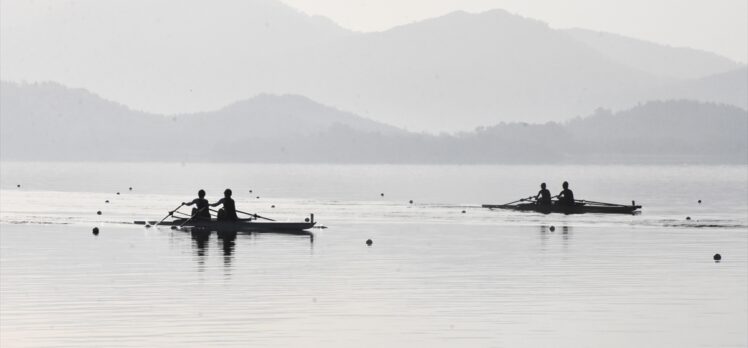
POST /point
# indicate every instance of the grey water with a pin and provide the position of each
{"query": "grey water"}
(434, 276)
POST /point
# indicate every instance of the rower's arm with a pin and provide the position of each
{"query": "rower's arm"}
(188, 203)
(220, 201)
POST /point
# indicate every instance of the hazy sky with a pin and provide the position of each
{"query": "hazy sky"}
(720, 26)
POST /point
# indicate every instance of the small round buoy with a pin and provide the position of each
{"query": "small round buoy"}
(117, 193)
(553, 228)
(250, 191)
(411, 201)
(272, 206)
(381, 194)
(306, 220)
(699, 201)
(98, 212)
(147, 226)
(19, 185)
(258, 197)
(173, 227)
(96, 231)
(463, 212)
(688, 218)
(369, 242)
(717, 257)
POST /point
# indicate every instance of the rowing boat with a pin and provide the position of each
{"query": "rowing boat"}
(245, 225)
(579, 207)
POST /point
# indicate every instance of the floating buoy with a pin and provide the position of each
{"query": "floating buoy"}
(96, 231)
(258, 197)
(381, 194)
(369, 242)
(173, 227)
(699, 201)
(272, 206)
(130, 188)
(688, 218)
(411, 201)
(717, 257)
(107, 201)
(117, 193)
(463, 212)
(19, 185)
(98, 212)
(147, 226)
(250, 191)
(553, 228)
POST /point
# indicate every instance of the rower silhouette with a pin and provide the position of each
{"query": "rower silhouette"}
(566, 197)
(544, 196)
(228, 212)
(202, 211)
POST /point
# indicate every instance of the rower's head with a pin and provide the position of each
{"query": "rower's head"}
(565, 185)
(201, 193)
(227, 193)
(542, 186)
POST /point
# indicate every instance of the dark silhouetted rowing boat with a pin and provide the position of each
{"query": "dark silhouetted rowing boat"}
(580, 207)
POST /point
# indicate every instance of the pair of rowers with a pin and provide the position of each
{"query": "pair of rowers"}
(202, 211)
(566, 197)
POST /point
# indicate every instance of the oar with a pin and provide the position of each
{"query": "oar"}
(191, 217)
(255, 215)
(167, 215)
(519, 200)
(602, 203)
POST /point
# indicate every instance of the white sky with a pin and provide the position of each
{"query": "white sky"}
(719, 26)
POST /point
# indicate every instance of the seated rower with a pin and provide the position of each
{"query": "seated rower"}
(228, 212)
(566, 197)
(544, 196)
(202, 211)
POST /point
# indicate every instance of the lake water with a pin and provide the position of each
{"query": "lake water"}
(434, 276)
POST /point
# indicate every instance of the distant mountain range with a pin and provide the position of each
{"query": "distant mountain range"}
(451, 73)
(51, 122)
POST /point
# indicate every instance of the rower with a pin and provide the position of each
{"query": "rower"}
(201, 212)
(566, 197)
(228, 212)
(544, 196)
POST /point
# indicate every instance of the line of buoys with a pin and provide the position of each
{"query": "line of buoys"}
(717, 257)
(95, 231)
(369, 242)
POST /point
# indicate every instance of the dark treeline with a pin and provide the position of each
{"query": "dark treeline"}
(50, 122)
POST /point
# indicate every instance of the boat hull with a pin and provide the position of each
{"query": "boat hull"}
(561, 209)
(240, 225)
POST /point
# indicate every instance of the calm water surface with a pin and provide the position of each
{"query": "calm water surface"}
(433, 277)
